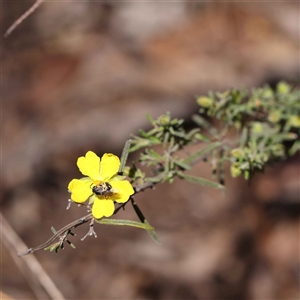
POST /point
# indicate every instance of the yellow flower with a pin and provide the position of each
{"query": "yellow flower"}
(102, 186)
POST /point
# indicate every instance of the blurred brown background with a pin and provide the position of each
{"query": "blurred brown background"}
(79, 76)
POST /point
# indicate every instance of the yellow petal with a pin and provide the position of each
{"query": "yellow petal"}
(81, 190)
(71, 184)
(89, 165)
(86, 179)
(110, 164)
(83, 179)
(102, 208)
(122, 190)
(92, 199)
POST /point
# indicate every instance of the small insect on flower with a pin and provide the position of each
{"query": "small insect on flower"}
(104, 188)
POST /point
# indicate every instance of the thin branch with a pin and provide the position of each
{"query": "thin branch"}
(144, 186)
(23, 17)
(79, 222)
(70, 226)
(12, 240)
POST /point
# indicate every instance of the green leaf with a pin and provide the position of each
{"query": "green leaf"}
(194, 157)
(152, 179)
(201, 137)
(143, 220)
(154, 154)
(182, 164)
(153, 131)
(141, 143)
(53, 247)
(152, 233)
(150, 119)
(294, 148)
(172, 148)
(71, 244)
(166, 139)
(177, 133)
(192, 133)
(125, 223)
(284, 136)
(124, 156)
(221, 173)
(246, 175)
(136, 147)
(199, 180)
(201, 122)
(244, 137)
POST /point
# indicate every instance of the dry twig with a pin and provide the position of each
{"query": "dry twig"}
(37, 276)
(23, 17)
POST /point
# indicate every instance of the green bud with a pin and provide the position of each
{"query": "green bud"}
(127, 171)
(267, 93)
(237, 97)
(238, 125)
(164, 120)
(278, 150)
(257, 127)
(283, 87)
(295, 121)
(274, 116)
(205, 102)
(237, 152)
(235, 170)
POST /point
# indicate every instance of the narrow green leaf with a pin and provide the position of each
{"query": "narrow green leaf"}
(244, 137)
(152, 179)
(125, 223)
(154, 154)
(136, 147)
(167, 166)
(192, 133)
(153, 131)
(71, 244)
(294, 148)
(173, 148)
(124, 157)
(143, 220)
(143, 133)
(221, 169)
(201, 122)
(200, 180)
(194, 157)
(172, 145)
(166, 139)
(142, 143)
(201, 137)
(150, 119)
(152, 233)
(168, 176)
(182, 164)
(177, 133)
(246, 175)
(53, 247)
(284, 136)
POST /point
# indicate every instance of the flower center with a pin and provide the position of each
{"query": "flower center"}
(102, 189)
